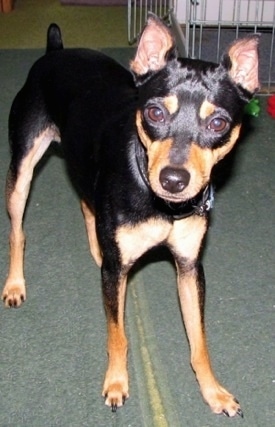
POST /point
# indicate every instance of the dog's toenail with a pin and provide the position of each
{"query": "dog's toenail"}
(240, 412)
(114, 407)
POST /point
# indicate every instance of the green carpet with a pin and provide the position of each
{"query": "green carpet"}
(52, 349)
(25, 27)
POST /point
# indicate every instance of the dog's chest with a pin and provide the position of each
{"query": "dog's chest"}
(182, 237)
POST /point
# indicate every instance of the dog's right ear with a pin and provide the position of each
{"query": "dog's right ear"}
(155, 42)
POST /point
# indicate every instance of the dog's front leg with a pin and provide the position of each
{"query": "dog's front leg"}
(185, 242)
(192, 291)
(115, 388)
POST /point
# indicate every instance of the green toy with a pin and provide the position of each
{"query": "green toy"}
(253, 108)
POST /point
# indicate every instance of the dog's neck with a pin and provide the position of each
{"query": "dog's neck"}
(198, 205)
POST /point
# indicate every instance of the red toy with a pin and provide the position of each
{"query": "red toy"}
(271, 106)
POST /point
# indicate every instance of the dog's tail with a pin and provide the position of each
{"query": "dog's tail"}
(54, 38)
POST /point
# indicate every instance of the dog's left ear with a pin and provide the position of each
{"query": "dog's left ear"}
(244, 61)
(155, 42)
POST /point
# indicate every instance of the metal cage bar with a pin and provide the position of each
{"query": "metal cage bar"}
(137, 16)
(138, 11)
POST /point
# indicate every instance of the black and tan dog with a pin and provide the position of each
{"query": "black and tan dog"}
(140, 148)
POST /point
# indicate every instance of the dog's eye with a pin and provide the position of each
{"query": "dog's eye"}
(218, 124)
(155, 114)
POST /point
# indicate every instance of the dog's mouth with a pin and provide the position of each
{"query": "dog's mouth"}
(171, 198)
(177, 199)
(199, 204)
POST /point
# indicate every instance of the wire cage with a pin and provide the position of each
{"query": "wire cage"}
(164, 9)
(138, 11)
(212, 24)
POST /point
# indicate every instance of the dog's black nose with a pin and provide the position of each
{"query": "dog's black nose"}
(174, 180)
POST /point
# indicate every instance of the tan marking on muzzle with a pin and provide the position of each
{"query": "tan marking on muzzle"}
(157, 153)
(202, 160)
(158, 158)
(146, 141)
(221, 152)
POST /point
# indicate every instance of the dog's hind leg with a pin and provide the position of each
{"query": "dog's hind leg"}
(90, 222)
(28, 146)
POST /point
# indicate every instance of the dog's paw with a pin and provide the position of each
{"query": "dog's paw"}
(222, 402)
(115, 392)
(14, 294)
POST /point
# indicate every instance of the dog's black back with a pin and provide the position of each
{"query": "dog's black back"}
(80, 113)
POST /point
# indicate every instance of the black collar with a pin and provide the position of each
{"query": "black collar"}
(198, 205)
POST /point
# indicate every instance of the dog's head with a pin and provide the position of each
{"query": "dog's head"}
(190, 111)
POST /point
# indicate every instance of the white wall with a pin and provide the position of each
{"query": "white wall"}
(245, 11)
(181, 11)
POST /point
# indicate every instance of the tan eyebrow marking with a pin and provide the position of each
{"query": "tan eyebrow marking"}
(171, 102)
(206, 109)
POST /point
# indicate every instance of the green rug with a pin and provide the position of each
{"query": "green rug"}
(26, 26)
(52, 349)
(95, 2)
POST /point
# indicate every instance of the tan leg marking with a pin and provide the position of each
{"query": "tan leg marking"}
(89, 218)
(132, 242)
(14, 292)
(192, 230)
(217, 397)
(115, 387)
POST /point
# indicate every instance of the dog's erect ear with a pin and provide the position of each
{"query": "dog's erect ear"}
(243, 68)
(155, 42)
